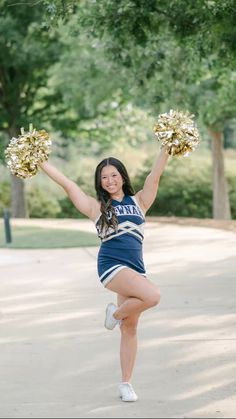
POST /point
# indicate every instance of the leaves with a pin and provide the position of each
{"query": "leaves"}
(26, 52)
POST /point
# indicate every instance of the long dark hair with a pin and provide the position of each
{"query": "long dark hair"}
(108, 218)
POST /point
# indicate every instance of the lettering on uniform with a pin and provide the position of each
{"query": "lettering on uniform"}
(120, 210)
(128, 210)
(135, 211)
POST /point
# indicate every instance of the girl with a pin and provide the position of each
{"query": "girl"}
(119, 216)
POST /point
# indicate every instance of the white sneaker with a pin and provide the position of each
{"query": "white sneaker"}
(110, 321)
(127, 393)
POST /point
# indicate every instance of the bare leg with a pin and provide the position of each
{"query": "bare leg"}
(128, 343)
(135, 294)
(140, 293)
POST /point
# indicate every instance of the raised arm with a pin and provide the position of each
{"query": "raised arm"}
(86, 204)
(148, 194)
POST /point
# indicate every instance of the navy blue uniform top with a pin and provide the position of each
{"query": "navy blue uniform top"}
(131, 221)
(122, 247)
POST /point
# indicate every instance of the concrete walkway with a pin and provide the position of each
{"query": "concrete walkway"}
(58, 361)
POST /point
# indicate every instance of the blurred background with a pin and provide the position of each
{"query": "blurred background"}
(96, 74)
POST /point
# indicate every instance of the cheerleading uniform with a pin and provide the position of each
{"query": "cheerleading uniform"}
(122, 248)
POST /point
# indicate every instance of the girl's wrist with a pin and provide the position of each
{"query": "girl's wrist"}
(43, 164)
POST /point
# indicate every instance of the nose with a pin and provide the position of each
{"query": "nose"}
(110, 181)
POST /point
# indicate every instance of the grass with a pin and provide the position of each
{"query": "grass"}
(42, 238)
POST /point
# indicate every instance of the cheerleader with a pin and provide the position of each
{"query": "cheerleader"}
(119, 217)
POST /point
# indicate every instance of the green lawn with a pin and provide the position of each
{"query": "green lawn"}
(42, 238)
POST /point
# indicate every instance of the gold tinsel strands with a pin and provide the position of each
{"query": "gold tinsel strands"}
(177, 131)
(24, 153)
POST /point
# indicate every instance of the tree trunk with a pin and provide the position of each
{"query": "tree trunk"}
(221, 203)
(18, 198)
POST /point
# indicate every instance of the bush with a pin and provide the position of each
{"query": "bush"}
(41, 205)
(232, 194)
(185, 189)
(5, 196)
(68, 210)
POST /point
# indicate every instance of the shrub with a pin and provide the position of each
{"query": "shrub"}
(185, 189)
(68, 210)
(5, 196)
(41, 205)
(232, 194)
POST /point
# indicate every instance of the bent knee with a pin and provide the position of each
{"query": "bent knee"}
(153, 299)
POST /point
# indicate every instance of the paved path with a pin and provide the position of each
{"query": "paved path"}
(58, 361)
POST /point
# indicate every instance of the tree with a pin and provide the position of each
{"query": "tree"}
(217, 106)
(208, 90)
(133, 33)
(96, 96)
(185, 80)
(205, 25)
(27, 50)
(60, 81)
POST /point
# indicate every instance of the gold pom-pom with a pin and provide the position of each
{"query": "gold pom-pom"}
(24, 153)
(177, 131)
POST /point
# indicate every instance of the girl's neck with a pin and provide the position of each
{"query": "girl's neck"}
(118, 197)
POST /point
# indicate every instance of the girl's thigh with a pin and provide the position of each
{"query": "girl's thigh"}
(129, 283)
(121, 299)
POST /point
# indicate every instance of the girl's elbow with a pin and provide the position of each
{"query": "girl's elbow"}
(156, 182)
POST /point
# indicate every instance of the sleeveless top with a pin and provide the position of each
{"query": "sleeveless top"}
(131, 221)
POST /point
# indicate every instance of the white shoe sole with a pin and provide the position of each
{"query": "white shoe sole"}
(105, 322)
(128, 401)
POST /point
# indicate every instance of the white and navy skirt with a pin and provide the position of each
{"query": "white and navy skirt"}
(112, 260)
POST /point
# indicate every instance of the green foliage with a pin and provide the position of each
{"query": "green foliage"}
(176, 76)
(92, 91)
(204, 25)
(176, 50)
(216, 96)
(5, 196)
(88, 78)
(2, 148)
(185, 189)
(231, 178)
(172, 54)
(27, 50)
(96, 96)
(68, 210)
(41, 205)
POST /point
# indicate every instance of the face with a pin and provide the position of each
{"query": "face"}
(111, 180)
